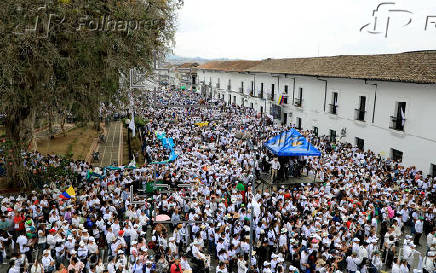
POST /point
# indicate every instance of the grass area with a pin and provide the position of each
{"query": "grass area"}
(126, 161)
(76, 143)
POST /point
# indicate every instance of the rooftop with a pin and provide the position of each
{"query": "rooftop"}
(230, 66)
(412, 67)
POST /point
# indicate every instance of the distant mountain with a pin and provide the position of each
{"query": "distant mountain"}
(174, 59)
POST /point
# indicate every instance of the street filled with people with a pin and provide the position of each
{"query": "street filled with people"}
(360, 213)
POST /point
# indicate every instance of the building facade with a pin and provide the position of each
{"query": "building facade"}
(382, 103)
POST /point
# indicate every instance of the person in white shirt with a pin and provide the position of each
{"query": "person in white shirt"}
(275, 166)
(92, 246)
(22, 242)
(352, 262)
(36, 267)
(221, 268)
(429, 262)
(47, 261)
(403, 267)
(396, 267)
(419, 225)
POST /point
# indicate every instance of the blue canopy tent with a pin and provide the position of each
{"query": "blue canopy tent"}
(291, 143)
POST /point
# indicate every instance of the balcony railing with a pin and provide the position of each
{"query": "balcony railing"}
(260, 95)
(229, 88)
(241, 90)
(333, 109)
(270, 97)
(397, 123)
(218, 86)
(360, 114)
(298, 102)
(252, 93)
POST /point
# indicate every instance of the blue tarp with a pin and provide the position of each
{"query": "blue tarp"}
(291, 143)
(167, 143)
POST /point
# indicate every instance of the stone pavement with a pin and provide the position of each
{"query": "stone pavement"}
(110, 151)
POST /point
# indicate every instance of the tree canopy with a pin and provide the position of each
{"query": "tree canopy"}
(66, 56)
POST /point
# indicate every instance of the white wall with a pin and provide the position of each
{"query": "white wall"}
(417, 142)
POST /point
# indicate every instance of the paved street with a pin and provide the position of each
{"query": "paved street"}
(110, 149)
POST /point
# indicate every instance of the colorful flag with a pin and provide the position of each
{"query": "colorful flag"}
(68, 194)
(280, 99)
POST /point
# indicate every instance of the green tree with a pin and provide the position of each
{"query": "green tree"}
(61, 57)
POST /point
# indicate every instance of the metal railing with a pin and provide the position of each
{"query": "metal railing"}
(229, 88)
(333, 109)
(298, 102)
(397, 123)
(360, 114)
(241, 89)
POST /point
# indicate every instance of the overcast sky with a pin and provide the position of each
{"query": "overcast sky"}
(258, 29)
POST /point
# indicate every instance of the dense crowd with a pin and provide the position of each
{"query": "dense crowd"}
(366, 215)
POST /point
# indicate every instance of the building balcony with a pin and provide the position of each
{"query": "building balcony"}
(298, 102)
(333, 109)
(251, 93)
(229, 88)
(218, 86)
(360, 114)
(260, 95)
(271, 97)
(397, 123)
(241, 90)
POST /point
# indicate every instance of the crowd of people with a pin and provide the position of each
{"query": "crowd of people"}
(364, 213)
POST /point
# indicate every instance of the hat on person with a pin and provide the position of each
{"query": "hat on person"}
(82, 243)
(120, 252)
(70, 237)
(284, 230)
(121, 232)
(46, 252)
(172, 239)
(266, 263)
(356, 240)
(52, 230)
(91, 239)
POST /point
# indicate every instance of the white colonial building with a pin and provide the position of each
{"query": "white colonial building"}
(384, 103)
